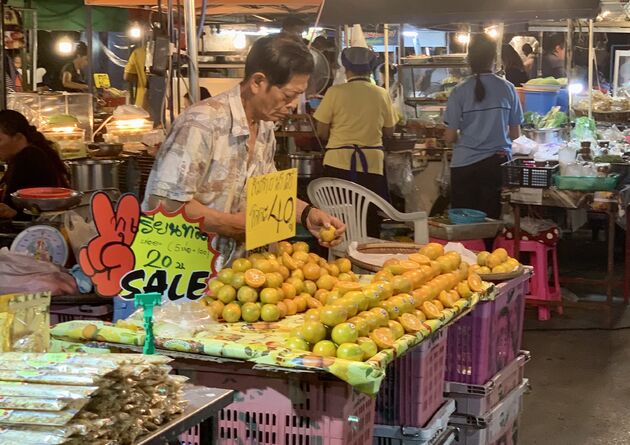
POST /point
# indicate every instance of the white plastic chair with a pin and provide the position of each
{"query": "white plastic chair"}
(349, 202)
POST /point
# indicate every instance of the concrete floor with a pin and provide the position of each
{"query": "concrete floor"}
(580, 367)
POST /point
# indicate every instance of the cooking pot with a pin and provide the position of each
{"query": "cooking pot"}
(94, 174)
(547, 136)
(309, 165)
(104, 150)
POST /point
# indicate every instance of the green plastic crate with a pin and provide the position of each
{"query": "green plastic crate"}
(587, 183)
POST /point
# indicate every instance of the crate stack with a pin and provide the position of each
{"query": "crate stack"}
(485, 368)
(410, 407)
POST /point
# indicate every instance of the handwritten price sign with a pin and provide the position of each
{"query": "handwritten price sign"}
(101, 80)
(134, 253)
(271, 208)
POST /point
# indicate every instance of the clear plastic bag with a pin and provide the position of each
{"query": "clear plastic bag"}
(399, 173)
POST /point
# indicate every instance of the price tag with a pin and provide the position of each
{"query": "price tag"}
(271, 208)
(101, 80)
(135, 253)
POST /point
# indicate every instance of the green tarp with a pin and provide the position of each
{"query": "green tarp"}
(70, 15)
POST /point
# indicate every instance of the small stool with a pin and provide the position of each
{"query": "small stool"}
(476, 245)
(540, 289)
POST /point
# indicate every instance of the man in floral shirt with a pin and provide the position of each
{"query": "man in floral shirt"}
(217, 144)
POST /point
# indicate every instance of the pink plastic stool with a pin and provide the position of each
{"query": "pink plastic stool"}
(476, 245)
(540, 289)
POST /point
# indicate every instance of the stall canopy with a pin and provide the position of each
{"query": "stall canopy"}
(70, 15)
(442, 12)
(228, 7)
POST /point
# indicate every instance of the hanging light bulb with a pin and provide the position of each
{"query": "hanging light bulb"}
(65, 46)
(462, 38)
(135, 32)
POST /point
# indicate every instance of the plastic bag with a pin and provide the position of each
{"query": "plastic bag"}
(26, 324)
(444, 180)
(399, 173)
(80, 232)
(524, 146)
(585, 129)
(25, 274)
(179, 320)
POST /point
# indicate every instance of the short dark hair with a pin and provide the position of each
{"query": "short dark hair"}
(279, 58)
(550, 43)
(82, 50)
(527, 49)
(203, 94)
(293, 21)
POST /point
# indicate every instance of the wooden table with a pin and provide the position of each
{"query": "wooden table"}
(572, 201)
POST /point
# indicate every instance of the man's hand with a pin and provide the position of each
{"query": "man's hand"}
(318, 220)
(108, 257)
(7, 212)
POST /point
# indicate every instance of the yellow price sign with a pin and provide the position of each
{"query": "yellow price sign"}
(101, 80)
(271, 208)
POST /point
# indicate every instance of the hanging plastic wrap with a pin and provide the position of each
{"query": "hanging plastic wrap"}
(399, 173)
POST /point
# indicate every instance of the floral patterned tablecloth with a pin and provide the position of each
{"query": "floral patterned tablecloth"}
(262, 343)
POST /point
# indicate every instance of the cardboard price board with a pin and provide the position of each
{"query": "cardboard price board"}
(271, 208)
(101, 80)
(135, 253)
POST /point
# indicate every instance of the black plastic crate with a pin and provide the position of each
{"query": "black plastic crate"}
(525, 173)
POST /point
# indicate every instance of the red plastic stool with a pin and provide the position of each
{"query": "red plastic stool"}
(476, 245)
(540, 289)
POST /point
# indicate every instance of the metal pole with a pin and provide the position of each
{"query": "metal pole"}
(191, 45)
(89, 35)
(500, 31)
(35, 50)
(346, 36)
(386, 44)
(3, 74)
(591, 53)
(401, 47)
(569, 62)
(541, 53)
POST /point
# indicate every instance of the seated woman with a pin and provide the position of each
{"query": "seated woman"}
(354, 117)
(31, 160)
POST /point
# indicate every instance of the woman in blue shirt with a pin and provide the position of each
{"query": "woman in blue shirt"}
(483, 116)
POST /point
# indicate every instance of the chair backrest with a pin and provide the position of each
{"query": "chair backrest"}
(347, 201)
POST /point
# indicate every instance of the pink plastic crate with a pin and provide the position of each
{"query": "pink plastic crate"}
(413, 389)
(280, 409)
(487, 340)
(60, 313)
(496, 427)
(476, 400)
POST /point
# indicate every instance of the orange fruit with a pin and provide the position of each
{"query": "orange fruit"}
(382, 275)
(285, 246)
(332, 296)
(416, 277)
(327, 234)
(386, 289)
(310, 287)
(300, 246)
(214, 286)
(410, 323)
(288, 261)
(396, 329)
(284, 271)
(368, 346)
(333, 269)
(298, 273)
(225, 275)
(420, 259)
(311, 302)
(325, 348)
(464, 290)
(430, 310)
(247, 294)
(216, 309)
(438, 304)
(326, 282)
(390, 262)
(250, 312)
(381, 314)
(362, 325)
(344, 333)
(301, 303)
(433, 250)
(347, 286)
(401, 284)
(296, 344)
(297, 284)
(351, 306)
(333, 315)
(226, 294)
(270, 312)
(311, 315)
(313, 331)
(446, 299)
(383, 337)
(370, 318)
(436, 268)
(344, 265)
(322, 295)
(263, 265)
(350, 351)
(359, 298)
(273, 279)
(408, 265)
(241, 265)
(231, 313)
(420, 315)
(291, 307)
(475, 283)
(373, 295)
(312, 271)
(282, 308)
(289, 290)
(421, 295)
(300, 256)
(314, 258)
(270, 295)
(255, 278)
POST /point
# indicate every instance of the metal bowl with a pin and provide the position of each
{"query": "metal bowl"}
(104, 150)
(37, 206)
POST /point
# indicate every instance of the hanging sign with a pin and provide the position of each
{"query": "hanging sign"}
(271, 208)
(136, 253)
(101, 80)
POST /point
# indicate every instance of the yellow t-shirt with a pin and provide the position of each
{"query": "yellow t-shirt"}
(357, 112)
(135, 65)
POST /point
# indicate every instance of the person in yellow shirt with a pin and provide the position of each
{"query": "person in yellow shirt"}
(354, 117)
(136, 74)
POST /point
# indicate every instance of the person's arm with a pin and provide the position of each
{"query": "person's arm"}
(516, 116)
(323, 130)
(390, 117)
(515, 131)
(130, 77)
(324, 115)
(317, 220)
(452, 118)
(388, 132)
(66, 81)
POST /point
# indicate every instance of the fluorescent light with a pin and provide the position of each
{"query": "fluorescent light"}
(135, 32)
(410, 34)
(462, 38)
(240, 42)
(493, 32)
(65, 46)
(576, 88)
